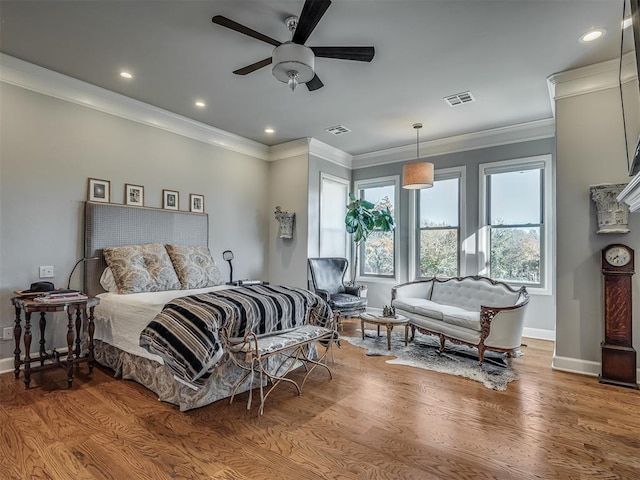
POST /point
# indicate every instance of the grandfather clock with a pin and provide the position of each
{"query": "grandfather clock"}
(618, 354)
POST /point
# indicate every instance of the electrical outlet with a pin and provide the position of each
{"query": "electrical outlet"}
(46, 272)
(7, 333)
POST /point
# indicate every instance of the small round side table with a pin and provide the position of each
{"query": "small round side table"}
(389, 322)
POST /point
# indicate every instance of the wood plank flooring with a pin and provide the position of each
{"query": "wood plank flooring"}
(372, 421)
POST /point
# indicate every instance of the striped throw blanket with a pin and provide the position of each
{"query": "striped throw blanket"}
(185, 333)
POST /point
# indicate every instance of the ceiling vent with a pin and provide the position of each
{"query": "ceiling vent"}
(459, 99)
(338, 130)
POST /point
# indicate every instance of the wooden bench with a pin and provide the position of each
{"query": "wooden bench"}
(290, 348)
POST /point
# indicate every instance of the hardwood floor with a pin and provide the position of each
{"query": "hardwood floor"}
(372, 421)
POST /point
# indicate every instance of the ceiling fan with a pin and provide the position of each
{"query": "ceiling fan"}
(293, 62)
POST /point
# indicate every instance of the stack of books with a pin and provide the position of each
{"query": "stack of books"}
(61, 296)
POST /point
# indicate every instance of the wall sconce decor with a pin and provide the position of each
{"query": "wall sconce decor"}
(286, 221)
(613, 217)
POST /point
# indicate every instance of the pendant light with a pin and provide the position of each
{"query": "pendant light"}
(416, 175)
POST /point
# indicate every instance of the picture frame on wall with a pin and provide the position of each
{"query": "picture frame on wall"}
(134, 195)
(170, 199)
(196, 203)
(99, 190)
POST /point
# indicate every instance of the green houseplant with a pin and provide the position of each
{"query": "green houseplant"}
(361, 219)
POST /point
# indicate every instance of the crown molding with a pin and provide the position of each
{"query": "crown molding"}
(330, 154)
(460, 143)
(294, 148)
(310, 146)
(47, 82)
(592, 78)
(631, 194)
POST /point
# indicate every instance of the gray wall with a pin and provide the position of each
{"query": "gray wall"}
(590, 150)
(49, 148)
(541, 311)
(288, 180)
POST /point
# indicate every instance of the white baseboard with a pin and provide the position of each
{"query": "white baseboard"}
(582, 367)
(6, 365)
(539, 333)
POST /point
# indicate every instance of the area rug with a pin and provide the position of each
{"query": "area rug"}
(423, 352)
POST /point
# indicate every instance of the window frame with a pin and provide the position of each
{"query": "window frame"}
(358, 185)
(547, 221)
(414, 257)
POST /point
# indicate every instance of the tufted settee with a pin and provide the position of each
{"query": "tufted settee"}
(475, 311)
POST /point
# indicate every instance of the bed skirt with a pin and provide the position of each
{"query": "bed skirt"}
(159, 379)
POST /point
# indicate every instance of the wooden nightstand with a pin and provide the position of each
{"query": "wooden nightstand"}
(53, 359)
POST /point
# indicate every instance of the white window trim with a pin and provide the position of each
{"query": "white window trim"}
(441, 174)
(372, 182)
(345, 182)
(483, 231)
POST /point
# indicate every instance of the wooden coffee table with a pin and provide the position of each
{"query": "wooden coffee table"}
(389, 322)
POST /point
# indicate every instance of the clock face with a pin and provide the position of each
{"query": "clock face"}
(618, 256)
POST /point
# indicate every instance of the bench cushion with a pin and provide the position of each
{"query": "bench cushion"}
(285, 339)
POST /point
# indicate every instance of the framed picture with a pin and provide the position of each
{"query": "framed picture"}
(197, 203)
(170, 199)
(133, 195)
(99, 190)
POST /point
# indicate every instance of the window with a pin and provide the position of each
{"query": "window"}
(515, 214)
(334, 196)
(377, 256)
(438, 228)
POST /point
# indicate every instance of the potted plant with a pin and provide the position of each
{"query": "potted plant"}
(361, 219)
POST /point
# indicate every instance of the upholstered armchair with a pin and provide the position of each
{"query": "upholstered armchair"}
(327, 281)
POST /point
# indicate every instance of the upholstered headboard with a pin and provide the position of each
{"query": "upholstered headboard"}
(112, 225)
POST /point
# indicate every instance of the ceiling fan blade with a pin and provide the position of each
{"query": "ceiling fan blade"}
(312, 12)
(225, 22)
(253, 67)
(314, 84)
(359, 54)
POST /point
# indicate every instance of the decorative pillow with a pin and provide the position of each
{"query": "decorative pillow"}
(141, 268)
(195, 266)
(107, 281)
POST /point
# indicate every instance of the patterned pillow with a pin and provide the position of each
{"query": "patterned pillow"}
(141, 268)
(195, 266)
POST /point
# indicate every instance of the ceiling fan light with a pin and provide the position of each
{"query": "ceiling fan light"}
(293, 82)
(291, 57)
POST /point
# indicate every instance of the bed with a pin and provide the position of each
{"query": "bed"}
(125, 321)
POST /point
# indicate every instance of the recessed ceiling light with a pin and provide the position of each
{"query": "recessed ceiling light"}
(126, 75)
(269, 130)
(200, 104)
(626, 23)
(592, 35)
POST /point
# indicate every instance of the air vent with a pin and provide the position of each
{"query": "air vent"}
(338, 130)
(459, 99)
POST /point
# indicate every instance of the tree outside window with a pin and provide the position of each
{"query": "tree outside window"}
(378, 252)
(515, 220)
(439, 229)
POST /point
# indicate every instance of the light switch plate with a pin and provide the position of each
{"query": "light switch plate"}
(7, 333)
(46, 271)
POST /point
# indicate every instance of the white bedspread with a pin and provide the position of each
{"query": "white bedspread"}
(119, 319)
